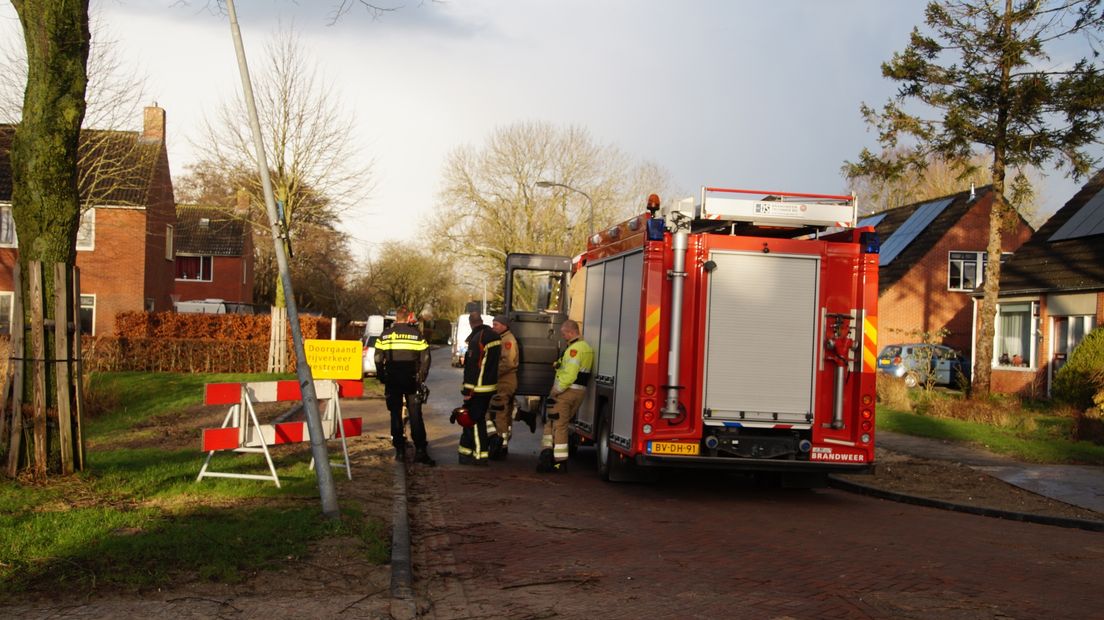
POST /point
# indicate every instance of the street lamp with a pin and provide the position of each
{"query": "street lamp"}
(574, 189)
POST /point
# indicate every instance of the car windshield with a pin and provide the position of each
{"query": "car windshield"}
(891, 351)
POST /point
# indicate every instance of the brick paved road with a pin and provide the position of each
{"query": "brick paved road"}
(505, 542)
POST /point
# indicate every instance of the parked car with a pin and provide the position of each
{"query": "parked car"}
(908, 361)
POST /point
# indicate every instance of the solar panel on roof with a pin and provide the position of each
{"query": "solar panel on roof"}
(917, 222)
(1088, 221)
(872, 220)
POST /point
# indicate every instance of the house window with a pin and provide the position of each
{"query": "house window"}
(168, 241)
(1014, 338)
(86, 233)
(194, 268)
(7, 229)
(5, 312)
(1068, 332)
(88, 314)
(965, 270)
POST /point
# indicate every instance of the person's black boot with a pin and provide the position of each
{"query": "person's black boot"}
(421, 456)
(529, 417)
(494, 447)
(544, 461)
(400, 453)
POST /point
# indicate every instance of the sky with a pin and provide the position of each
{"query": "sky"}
(729, 93)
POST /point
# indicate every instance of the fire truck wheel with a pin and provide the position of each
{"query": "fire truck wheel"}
(912, 380)
(602, 449)
(611, 466)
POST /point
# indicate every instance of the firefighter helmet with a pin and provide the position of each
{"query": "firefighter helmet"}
(462, 416)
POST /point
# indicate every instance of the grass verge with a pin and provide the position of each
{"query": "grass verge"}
(1032, 436)
(137, 519)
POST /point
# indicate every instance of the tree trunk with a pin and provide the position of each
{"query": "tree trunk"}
(45, 198)
(983, 347)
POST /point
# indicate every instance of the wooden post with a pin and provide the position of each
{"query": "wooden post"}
(78, 369)
(17, 346)
(61, 366)
(38, 347)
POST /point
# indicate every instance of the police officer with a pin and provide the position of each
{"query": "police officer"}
(402, 363)
(568, 390)
(480, 380)
(501, 413)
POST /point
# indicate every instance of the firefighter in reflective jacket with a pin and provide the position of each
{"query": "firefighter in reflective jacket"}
(480, 380)
(500, 417)
(568, 390)
(402, 363)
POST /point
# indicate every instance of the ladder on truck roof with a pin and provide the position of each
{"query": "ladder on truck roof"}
(778, 209)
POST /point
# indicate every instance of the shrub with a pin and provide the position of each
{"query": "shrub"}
(893, 393)
(1079, 379)
(999, 412)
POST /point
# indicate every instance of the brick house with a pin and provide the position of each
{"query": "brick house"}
(125, 241)
(1051, 295)
(932, 258)
(214, 255)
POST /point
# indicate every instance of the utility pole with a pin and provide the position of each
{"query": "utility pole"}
(302, 369)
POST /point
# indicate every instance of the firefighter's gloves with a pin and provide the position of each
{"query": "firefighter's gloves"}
(556, 364)
(466, 392)
(423, 393)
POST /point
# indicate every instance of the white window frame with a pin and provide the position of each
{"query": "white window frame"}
(1032, 339)
(92, 297)
(86, 233)
(201, 257)
(7, 222)
(962, 257)
(169, 253)
(10, 296)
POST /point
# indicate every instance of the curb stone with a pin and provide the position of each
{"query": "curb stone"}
(403, 605)
(854, 487)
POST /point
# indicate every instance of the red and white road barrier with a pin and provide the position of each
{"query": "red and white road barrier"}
(242, 432)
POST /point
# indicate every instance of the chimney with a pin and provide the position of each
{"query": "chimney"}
(153, 124)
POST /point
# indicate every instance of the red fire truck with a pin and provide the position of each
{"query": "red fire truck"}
(737, 332)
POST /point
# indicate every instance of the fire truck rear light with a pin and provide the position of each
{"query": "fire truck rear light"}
(649, 404)
(649, 416)
(867, 426)
(867, 399)
(865, 438)
(647, 429)
(649, 389)
(867, 414)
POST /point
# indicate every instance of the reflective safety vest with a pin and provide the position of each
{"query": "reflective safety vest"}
(573, 369)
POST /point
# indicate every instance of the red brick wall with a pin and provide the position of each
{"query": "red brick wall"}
(115, 272)
(920, 301)
(161, 211)
(226, 282)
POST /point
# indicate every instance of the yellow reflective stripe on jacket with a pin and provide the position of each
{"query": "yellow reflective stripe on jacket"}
(483, 367)
(404, 342)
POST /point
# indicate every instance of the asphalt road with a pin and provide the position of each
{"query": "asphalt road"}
(504, 541)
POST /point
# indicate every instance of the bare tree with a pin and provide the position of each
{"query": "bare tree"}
(402, 275)
(491, 204)
(309, 147)
(939, 177)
